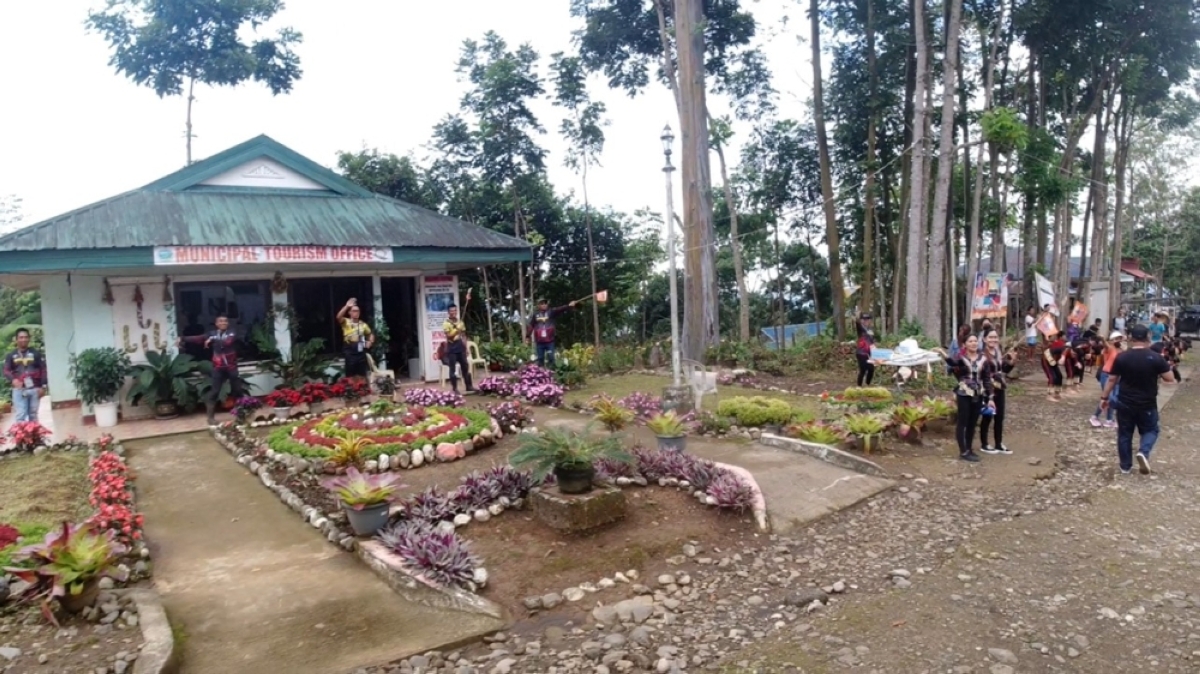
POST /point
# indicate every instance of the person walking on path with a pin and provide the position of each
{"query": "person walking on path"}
(223, 343)
(974, 393)
(862, 351)
(1110, 353)
(455, 330)
(25, 369)
(1138, 372)
(1002, 364)
(542, 328)
(357, 339)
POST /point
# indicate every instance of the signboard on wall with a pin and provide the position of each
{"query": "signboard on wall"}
(437, 293)
(188, 255)
(990, 298)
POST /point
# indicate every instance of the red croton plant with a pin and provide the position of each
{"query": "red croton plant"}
(284, 397)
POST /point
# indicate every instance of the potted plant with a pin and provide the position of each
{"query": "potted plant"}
(282, 401)
(670, 430)
(98, 375)
(163, 382)
(68, 565)
(365, 498)
(910, 420)
(941, 412)
(866, 430)
(244, 407)
(385, 386)
(315, 393)
(569, 455)
(611, 415)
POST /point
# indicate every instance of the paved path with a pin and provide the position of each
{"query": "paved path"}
(254, 589)
(798, 489)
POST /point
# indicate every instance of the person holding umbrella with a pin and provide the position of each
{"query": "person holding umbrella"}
(541, 327)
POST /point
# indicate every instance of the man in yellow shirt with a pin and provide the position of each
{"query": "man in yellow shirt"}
(456, 347)
(357, 338)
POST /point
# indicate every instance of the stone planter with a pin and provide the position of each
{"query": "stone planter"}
(282, 412)
(677, 444)
(575, 479)
(316, 407)
(369, 520)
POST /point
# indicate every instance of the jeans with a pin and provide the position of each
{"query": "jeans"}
(994, 421)
(457, 360)
(25, 404)
(221, 375)
(1146, 423)
(969, 408)
(545, 354)
(1111, 397)
(866, 370)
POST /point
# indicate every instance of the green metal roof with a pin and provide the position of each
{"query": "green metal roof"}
(178, 211)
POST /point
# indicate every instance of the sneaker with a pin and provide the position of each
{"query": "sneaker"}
(1110, 424)
(1126, 471)
(987, 449)
(969, 456)
(1003, 449)
(1094, 421)
(1143, 463)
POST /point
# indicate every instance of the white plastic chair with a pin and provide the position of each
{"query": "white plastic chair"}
(700, 379)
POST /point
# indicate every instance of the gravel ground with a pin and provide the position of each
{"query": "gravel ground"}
(1080, 570)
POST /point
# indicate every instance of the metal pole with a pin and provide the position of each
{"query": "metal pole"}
(676, 357)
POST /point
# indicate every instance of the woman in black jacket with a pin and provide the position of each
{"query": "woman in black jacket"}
(974, 373)
(1002, 364)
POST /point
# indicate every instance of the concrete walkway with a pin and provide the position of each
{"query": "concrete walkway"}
(798, 489)
(250, 588)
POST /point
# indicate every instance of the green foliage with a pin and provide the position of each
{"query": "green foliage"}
(569, 375)
(867, 394)
(98, 374)
(1003, 128)
(396, 177)
(816, 431)
(553, 447)
(305, 361)
(167, 378)
(280, 439)
(939, 408)
(509, 356)
(579, 355)
(609, 414)
(17, 306)
(66, 561)
(707, 422)
(758, 411)
(865, 424)
(667, 425)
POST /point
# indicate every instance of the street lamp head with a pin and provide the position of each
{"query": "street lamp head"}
(668, 140)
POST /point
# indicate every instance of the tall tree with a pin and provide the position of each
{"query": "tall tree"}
(584, 132)
(827, 196)
(935, 281)
(722, 131)
(916, 229)
(168, 45)
(392, 176)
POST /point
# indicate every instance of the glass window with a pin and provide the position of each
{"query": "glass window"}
(247, 304)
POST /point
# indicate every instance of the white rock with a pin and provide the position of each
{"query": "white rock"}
(418, 458)
(620, 577)
(606, 583)
(462, 519)
(495, 509)
(427, 450)
(590, 588)
(372, 466)
(385, 462)
(482, 515)
(446, 525)
(573, 594)
(480, 576)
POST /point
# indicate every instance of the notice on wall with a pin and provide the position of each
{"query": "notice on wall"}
(189, 255)
(437, 293)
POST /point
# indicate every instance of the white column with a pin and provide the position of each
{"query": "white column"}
(377, 310)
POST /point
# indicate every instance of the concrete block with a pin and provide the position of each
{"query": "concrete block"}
(578, 512)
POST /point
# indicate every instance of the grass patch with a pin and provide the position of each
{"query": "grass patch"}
(45, 490)
(622, 385)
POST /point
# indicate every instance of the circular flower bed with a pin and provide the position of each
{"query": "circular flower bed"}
(389, 432)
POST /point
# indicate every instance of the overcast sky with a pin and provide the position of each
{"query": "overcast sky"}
(377, 73)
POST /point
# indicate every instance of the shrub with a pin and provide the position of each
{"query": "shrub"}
(27, 436)
(867, 394)
(609, 413)
(98, 374)
(707, 422)
(437, 554)
(756, 410)
(510, 414)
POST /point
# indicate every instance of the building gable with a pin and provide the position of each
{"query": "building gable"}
(262, 173)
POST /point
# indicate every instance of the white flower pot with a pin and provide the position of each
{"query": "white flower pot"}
(106, 414)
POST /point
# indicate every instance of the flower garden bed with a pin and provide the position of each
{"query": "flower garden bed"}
(421, 554)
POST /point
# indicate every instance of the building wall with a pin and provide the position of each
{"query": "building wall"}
(58, 326)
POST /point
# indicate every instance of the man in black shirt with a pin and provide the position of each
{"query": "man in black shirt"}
(1138, 371)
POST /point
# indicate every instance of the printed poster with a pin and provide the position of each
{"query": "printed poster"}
(1046, 324)
(990, 298)
(437, 293)
(1045, 294)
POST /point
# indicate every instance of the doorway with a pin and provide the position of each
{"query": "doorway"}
(400, 311)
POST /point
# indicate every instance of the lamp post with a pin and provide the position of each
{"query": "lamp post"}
(668, 141)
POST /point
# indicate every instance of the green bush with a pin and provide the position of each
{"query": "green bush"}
(758, 411)
(614, 359)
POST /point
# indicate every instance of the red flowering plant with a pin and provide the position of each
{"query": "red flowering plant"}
(27, 436)
(112, 497)
(350, 389)
(315, 392)
(8, 535)
(284, 397)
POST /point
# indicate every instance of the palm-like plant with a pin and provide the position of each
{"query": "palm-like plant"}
(167, 378)
(562, 448)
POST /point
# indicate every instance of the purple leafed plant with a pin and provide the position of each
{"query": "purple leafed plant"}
(483, 488)
(495, 386)
(430, 506)
(439, 555)
(550, 395)
(432, 397)
(513, 483)
(731, 492)
(701, 473)
(641, 404)
(509, 414)
(610, 470)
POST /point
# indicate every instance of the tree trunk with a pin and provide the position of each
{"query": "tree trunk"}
(935, 289)
(517, 231)
(1124, 128)
(975, 242)
(831, 228)
(700, 325)
(735, 247)
(866, 295)
(917, 212)
(1100, 184)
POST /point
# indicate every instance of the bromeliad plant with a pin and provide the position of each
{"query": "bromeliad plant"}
(609, 413)
(865, 425)
(939, 408)
(910, 420)
(667, 425)
(62, 566)
(349, 452)
(360, 490)
(818, 432)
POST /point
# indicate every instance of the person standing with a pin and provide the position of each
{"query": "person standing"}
(1138, 372)
(455, 330)
(25, 369)
(974, 393)
(862, 351)
(357, 339)
(1158, 328)
(223, 343)
(542, 328)
(1002, 363)
(1108, 356)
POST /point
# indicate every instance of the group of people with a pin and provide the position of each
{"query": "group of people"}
(981, 368)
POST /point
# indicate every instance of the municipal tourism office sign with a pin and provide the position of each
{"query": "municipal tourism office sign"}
(189, 255)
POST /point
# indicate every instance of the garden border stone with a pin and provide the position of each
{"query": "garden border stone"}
(825, 453)
(158, 654)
